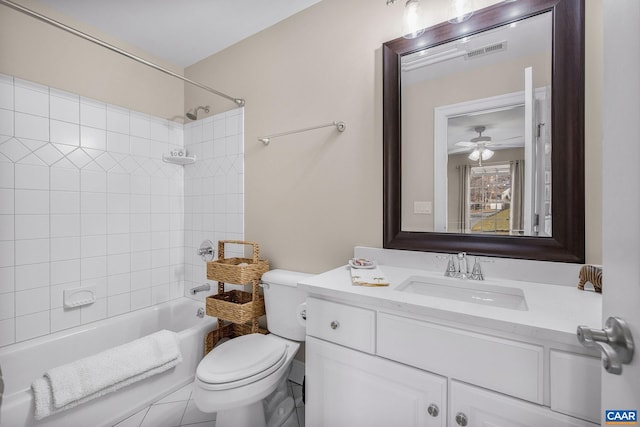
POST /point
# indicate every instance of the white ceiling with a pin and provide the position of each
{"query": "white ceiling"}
(181, 32)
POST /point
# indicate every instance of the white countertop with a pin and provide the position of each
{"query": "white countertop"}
(554, 311)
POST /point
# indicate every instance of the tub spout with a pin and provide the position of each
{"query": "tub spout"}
(201, 288)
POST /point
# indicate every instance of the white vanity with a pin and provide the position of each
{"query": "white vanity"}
(400, 356)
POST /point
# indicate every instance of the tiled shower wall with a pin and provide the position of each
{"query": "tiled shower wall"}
(213, 189)
(86, 200)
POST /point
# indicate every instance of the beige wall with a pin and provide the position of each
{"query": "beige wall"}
(36, 51)
(311, 197)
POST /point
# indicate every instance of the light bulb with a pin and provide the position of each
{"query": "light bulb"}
(487, 154)
(460, 10)
(412, 26)
(475, 155)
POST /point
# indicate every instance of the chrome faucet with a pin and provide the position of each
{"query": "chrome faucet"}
(476, 273)
(201, 288)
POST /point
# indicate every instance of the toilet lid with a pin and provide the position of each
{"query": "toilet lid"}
(240, 358)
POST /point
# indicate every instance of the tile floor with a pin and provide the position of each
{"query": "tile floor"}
(179, 410)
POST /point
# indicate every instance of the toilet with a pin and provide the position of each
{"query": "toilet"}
(235, 377)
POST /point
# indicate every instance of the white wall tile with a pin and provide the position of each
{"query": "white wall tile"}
(93, 203)
(118, 304)
(64, 179)
(31, 227)
(118, 264)
(31, 127)
(93, 224)
(64, 133)
(7, 306)
(140, 241)
(118, 183)
(93, 181)
(140, 146)
(118, 223)
(6, 92)
(65, 225)
(31, 202)
(32, 251)
(31, 276)
(91, 268)
(65, 271)
(93, 246)
(65, 202)
(6, 201)
(140, 280)
(7, 331)
(6, 175)
(93, 113)
(93, 138)
(7, 227)
(32, 301)
(139, 125)
(140, 260)
(64, 248)
(117, 203)
(31, 177)
(140, 299)
(118, 143)
(6, 122)
(32, 325)
(94, 312)
(160, 294)
(140, 184)
(7, 279)
(118, 244)
(64, 318)
(117, 119)
(31, 100)
(64, 106)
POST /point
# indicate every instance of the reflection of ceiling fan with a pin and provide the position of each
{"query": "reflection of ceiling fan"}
(479, 145)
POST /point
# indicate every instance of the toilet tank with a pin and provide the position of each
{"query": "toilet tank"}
(282, 298)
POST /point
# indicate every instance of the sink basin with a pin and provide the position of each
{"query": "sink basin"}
(472, 291)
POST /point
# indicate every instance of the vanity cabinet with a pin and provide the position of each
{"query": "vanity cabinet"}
(367, 367)
(348, 388)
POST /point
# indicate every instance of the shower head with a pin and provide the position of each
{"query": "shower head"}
(194, 115)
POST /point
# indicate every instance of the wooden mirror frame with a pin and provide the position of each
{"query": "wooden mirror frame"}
(567, 243)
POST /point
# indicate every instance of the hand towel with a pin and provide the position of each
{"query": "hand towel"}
(368, 277)
(66, 386)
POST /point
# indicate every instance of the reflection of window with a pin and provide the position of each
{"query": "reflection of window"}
(489, 201)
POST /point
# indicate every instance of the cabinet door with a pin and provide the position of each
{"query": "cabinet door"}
(475, 407)
(347, 388)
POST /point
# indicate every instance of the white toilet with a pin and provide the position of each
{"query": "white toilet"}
(237, 375)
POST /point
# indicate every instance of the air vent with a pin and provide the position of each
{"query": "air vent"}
(486, 50)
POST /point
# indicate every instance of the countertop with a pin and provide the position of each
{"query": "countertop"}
(554, 311)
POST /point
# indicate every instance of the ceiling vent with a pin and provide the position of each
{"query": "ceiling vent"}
(487, 50)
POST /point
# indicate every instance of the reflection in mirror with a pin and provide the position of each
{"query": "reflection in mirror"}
(455, 141)
(483, 134)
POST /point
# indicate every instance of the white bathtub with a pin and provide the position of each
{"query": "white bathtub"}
(24, 362)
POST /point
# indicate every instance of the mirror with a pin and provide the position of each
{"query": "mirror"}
(483, 134)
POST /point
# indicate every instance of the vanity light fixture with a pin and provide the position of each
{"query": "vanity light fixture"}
(412, 23)
(460, 10)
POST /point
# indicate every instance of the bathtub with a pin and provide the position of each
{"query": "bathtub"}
(24, 362)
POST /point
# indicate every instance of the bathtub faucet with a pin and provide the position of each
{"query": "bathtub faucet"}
(201, 288)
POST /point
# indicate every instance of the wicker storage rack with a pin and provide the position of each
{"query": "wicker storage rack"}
(235, 306)
(237, 270)
(240, 308)
(230, 330)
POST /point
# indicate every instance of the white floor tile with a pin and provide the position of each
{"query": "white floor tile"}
(193, 415)
(180, 395)
(164, 415)
(134, 420)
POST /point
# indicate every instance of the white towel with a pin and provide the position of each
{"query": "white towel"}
(69, 385)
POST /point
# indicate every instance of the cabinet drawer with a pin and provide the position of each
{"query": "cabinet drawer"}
(499, 364)
(479, 407)
(575, 384)
(342, 324)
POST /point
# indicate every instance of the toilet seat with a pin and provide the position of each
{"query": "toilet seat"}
(240, 361)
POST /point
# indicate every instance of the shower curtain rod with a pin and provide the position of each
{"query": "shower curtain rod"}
(341, 126)
(238, 101)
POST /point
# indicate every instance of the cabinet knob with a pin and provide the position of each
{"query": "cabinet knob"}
(433, 410)
(335, 324)
(461, 419)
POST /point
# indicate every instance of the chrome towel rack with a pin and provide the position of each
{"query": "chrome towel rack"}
(340, 126)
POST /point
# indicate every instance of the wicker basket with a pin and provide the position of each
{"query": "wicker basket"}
(229, 330)
(237, 270)
(235, 306)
